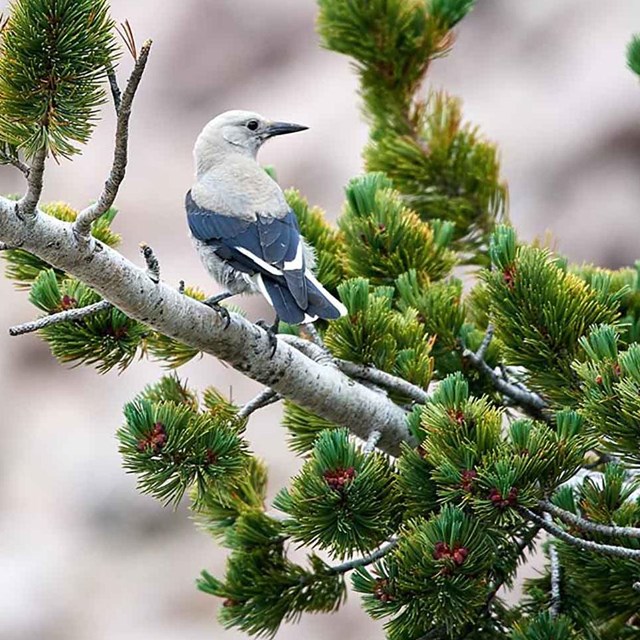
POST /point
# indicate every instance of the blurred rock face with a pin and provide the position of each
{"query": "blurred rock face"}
(81, 553)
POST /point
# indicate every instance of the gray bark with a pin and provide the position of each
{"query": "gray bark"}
(321, 389)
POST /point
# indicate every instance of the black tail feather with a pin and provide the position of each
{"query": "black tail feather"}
(320, 303)
(283, 302)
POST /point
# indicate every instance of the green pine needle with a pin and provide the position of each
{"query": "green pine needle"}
(342, 500)
(633, 54)
(53, 60)
(171, 448)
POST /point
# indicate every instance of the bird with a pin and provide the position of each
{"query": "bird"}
(246, 234)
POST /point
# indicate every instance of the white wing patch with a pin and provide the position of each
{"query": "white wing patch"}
(298, 262)
(263, 289)
(269, 268)
(334, 301)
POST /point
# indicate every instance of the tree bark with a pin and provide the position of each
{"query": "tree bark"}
(319, 388)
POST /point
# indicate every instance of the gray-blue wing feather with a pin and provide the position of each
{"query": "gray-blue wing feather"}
(274, 241)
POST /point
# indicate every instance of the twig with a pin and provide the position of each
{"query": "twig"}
(371, 442)
(116, 94)
(27, 206)
(554, 606)
(56, 318)
(263, 399)
(531, 402)
(486, 341)
(21, 166)
(153, 266)
(383, 379)
(586, 545)
(366, 560)
(586, 525)
(82, 225)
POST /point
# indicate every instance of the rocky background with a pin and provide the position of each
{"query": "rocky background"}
(82, 555)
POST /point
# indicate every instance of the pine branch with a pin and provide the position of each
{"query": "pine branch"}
(322, 390)
(27, 206)
(263, 399)
(554, 608)
(530, 402)
(585, 545)
(86, 218)
(366, 560)
(383, 379)
(586, 525)
(69, 315)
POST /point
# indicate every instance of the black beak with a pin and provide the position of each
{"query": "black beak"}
(280, 128)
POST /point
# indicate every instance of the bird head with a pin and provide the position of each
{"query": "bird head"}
(241, 132)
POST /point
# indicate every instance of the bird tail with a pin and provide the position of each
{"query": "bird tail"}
(321, 304)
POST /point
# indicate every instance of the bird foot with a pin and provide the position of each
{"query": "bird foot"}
(214, 303)
(272, 330)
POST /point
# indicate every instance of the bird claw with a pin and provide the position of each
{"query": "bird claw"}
(271, 330)
(214, 303)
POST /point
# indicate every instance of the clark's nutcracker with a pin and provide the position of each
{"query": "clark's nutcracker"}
(245, 232)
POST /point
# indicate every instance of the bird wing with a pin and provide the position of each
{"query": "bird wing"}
(266, 245)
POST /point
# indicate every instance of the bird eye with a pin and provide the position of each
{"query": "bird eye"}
(252, 125)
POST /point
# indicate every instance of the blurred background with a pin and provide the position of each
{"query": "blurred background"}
(82, 554)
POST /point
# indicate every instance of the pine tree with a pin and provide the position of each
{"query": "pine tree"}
(445, 429)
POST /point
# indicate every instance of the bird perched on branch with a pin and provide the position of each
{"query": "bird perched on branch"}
(244, 230)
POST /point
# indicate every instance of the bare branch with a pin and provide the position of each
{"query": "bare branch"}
(56, 318)
(586, 545)
(554, 608)
(322, 390)
(88, 216)
(27, 206)
(263, 399)
(586, 525)
(153, 266)
(366, 560)
(383, 379)
(116, 94)
(486, 341)
(530, 402)
(21, 166)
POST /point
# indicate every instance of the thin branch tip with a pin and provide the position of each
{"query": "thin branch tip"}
(263, 399)
(366, 560)
(587, 525)
(69, 315)
(580, 543)
(82, 225)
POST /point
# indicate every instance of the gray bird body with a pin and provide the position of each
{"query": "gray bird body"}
(244, 231)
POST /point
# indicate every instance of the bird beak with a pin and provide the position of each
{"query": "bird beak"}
(280, 128)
